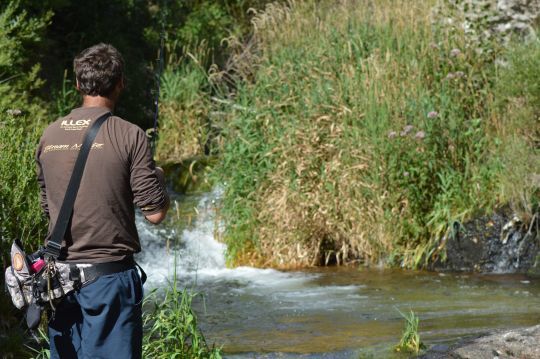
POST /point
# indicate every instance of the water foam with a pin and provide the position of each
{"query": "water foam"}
(197, 256)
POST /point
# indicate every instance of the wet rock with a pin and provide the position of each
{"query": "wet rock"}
(500, 243)
(487, 19)
(521, 343)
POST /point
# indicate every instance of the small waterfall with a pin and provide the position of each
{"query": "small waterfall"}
(195, 248)
(197, 255)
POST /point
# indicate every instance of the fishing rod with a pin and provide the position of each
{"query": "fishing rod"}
(159, 71)
(163, 11)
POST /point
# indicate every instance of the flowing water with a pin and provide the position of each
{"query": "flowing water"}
(324, 312)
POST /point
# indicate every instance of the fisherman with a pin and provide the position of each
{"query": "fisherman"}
(103, 318)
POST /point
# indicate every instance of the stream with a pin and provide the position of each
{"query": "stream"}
(336, 312)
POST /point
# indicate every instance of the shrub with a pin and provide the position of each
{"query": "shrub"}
(19, 80)
(21, 122)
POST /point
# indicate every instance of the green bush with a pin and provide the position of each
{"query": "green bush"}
(22, 116)
(188, 24)
(21, 215)
(19, 75)
(22, 119)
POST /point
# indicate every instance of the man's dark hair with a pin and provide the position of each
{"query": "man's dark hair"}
(98, 69)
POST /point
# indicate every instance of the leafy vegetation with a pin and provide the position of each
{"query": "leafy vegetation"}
(171, 329)
(22, 119)
(361, 131)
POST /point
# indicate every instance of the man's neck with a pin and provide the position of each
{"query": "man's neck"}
(98, 101)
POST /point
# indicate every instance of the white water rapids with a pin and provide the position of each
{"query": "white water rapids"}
(199, 258)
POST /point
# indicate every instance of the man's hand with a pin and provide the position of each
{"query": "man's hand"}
(161, 177)
(157, 218)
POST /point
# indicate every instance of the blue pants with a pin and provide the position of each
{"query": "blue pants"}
(102, 320)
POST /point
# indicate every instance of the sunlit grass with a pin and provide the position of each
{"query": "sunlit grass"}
(171, 328)
(185, 130)
(410, 339)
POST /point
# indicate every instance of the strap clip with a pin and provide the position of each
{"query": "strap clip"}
(53, 249)
(75, 276)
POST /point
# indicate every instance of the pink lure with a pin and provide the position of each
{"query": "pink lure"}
(37, 265)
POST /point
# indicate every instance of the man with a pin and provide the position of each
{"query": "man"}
(103, 318)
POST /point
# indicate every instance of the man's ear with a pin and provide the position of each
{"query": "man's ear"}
(77, 85)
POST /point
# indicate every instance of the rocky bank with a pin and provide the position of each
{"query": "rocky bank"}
(497, 243)
(521, 343)
(484, 20)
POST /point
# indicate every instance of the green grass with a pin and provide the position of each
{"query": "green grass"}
(361, 132)
(184, 126)
(170, 324)
(410, 339)
(171, 328)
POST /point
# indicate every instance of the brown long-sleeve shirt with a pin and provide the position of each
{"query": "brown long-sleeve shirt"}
(119, 174)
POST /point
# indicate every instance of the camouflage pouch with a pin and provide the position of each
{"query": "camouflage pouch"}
(49, 284)
(19, 279)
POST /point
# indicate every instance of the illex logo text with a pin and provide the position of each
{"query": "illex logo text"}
(72, 125)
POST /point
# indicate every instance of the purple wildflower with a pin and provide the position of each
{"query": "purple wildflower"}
(420, 135)
(405, 174)
(433, 114)
(407, 129)
(392, 134)
(459, 74)
(455, 52)
(451, 76)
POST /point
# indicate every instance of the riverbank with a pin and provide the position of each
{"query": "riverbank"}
(354, 135)
(522, 343)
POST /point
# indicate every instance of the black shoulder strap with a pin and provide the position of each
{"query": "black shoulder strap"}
(55, 242)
